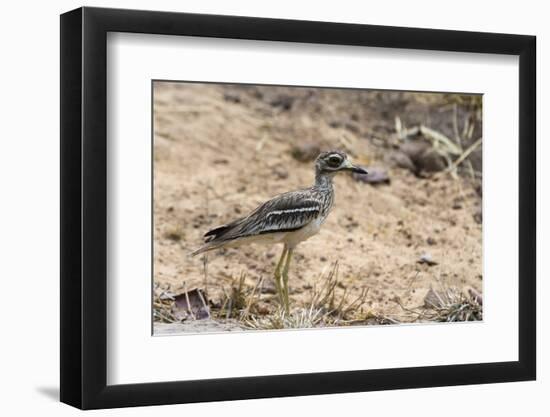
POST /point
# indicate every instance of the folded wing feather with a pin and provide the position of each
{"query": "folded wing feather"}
(284, 213)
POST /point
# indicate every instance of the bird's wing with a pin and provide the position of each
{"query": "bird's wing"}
(283, 213)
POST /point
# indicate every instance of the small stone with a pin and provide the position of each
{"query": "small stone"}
(431, 161)
(232, 97)
(423, 156)
(431, 241)
(280, 172)
(268, 288)
(375, 176)
(283, 101)
(414, 148)
(401, 160)
(426, 258)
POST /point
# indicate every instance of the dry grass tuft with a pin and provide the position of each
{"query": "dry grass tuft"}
(325, 308)
(328, 306)
(451, 305)
(338, 308)
(301, 318)
(447, 304)
(241, 300)
(163, 300)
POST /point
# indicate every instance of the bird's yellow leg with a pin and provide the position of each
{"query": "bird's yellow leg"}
(285, 279)
(278, 275)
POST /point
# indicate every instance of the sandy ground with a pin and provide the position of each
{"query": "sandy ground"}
(221, 150)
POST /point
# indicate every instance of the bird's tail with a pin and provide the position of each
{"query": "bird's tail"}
(206, 247)
(217, 237)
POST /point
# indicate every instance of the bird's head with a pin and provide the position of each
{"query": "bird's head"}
(332, 162)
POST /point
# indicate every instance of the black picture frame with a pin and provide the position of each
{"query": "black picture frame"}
(84, 207)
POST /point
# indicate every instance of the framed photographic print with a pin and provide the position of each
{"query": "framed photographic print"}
(257, 207)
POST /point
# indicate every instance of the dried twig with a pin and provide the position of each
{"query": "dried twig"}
(204, 304)
(246, 312)
(464, 155)
(439, 139)
(455, 125)
(188, 301)
(205, 272)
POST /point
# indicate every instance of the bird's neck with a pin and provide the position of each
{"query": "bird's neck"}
(323, 181)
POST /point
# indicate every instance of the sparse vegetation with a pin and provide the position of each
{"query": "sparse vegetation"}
(395, 239)
(326, 307)
(447, 304)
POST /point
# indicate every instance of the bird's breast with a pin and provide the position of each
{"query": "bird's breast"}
(312, 228)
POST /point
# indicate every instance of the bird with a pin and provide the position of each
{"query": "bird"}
(289, 218)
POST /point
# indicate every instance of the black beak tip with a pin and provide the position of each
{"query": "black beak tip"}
(359, 170)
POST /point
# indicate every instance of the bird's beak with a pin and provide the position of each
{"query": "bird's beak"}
(354, 168)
